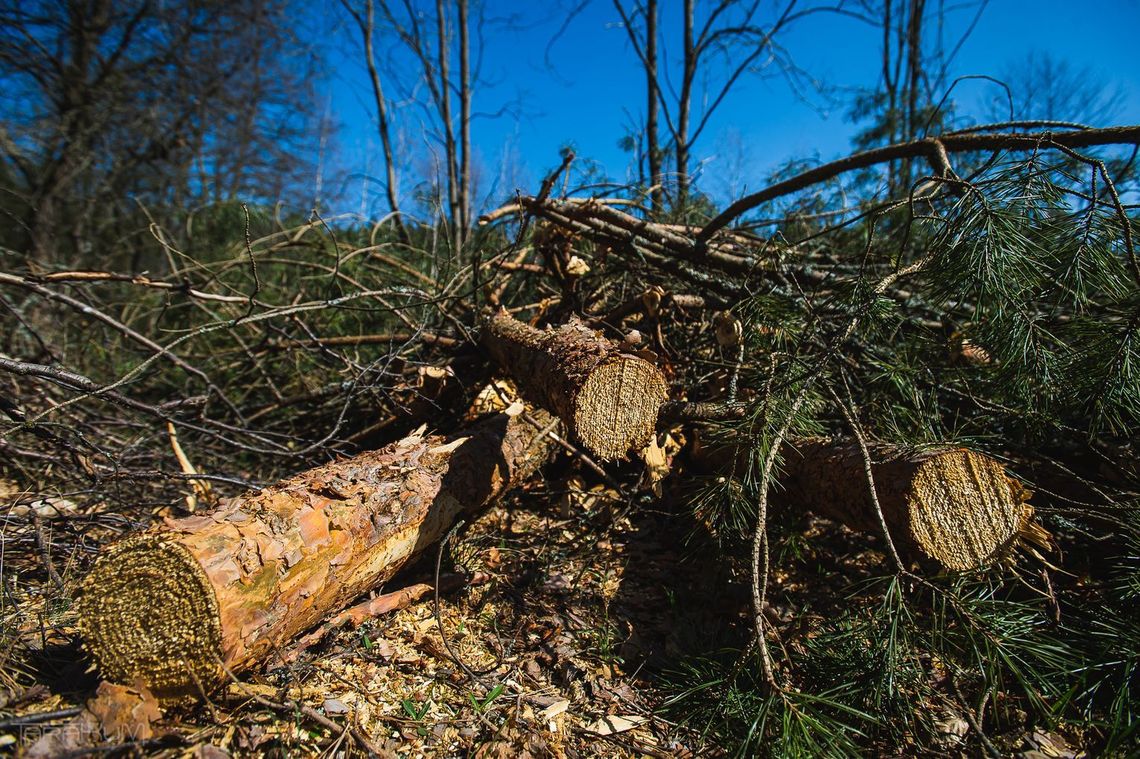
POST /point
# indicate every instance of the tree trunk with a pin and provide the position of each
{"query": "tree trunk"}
(651, 105)
(953, 505)
(914, 82)
(684, 105)
(183, 604)
(448, 128)
(608, 399)
(367, 29)
(464, 122)
(890, 86)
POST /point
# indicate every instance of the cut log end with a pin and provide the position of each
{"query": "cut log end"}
(954, 506)
(616, 408)
(607, 398)
(964, 510)
(147, 612)
(193, 600)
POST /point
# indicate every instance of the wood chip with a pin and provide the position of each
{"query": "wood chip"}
(614, 724)
(552, 711)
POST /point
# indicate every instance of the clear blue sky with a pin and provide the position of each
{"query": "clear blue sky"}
(586, 89)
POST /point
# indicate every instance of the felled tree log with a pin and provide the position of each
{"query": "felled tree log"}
(179, 606)
(608, 398)
(953, 505)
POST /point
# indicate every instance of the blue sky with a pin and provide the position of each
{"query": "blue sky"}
(586, 89)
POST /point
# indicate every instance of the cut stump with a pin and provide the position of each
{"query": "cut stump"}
(607, 398)
(953, 505)
(180, 606)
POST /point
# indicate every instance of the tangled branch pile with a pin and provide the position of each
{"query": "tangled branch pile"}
(908, 368)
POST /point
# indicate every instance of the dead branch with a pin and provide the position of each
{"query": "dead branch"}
(932, 148)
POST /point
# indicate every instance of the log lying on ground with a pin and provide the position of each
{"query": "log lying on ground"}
(609, 399)
(953, 505)
(181, 605)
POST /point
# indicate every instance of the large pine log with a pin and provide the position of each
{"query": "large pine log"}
(181, 605)
(607, 398)
(952, 505)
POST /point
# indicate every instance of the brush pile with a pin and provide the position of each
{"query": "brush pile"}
(899, 434)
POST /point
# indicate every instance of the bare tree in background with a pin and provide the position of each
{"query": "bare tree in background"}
(450, 158)
(720, 42)
(107, 105)
(429, 41)
(464, 116)
(365, 22)
(911, 98)
(647, 14)
(1044, 87)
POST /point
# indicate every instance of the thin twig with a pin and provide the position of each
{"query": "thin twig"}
(857, 431)
(43, 545)
(991, 749)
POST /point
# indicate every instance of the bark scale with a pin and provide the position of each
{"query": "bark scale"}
(955, 506)
(184, 603)
(608, 399)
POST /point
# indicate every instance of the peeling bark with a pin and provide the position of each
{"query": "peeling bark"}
(608, 399)
(955, 506)
(180, 605)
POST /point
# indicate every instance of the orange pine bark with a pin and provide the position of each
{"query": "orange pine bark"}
(181, 605)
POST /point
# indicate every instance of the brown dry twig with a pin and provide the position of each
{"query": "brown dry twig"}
(932, 147)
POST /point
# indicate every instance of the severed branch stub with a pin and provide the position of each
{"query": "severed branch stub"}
(608, 399)
(183, 604)
(952, 505)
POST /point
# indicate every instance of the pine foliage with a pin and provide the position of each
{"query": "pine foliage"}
(1015, 332)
